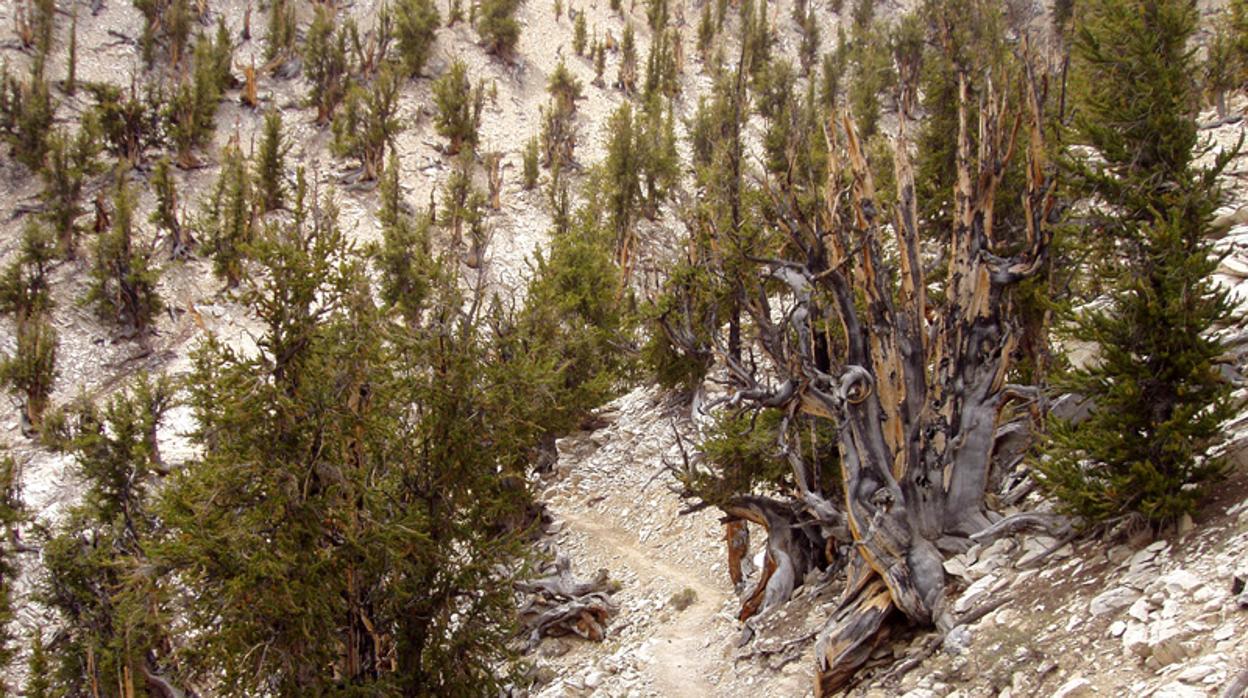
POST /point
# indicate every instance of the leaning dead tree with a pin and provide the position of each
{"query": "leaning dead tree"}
(844, 329)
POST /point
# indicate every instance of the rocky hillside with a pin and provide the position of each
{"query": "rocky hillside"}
(1162, 617)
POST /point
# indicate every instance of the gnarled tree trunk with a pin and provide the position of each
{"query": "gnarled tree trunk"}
(917, 393)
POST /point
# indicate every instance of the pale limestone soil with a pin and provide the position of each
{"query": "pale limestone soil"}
(613, 507)
(681, 663)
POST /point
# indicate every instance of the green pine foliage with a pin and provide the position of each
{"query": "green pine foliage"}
(744, 451)
(677, 352)
(559, 128)
(623, 169)
(1157, 399)
(572, 326)
(71, 59)
(404, 258)
(165, 216)
(270, 164)
(661, 75)
(130, 122)
(349, 526)
(559, 199)
(25, 295)
(1222, 70)
(626, 80)
(832, 76)
(12, 514)
(706, 32)
(793, 144)
(167, 24)
(600, 63)
(283, 27)
(463, 204)
(25, 289)
(325, 63)
(532, 159)
(497, 26)
(580, 34)
(757, 37)
(31, 371)
(123, 280)
(808, 52)
(459, 105)
(416, 22)
(69, 163)
(660, 165)
(871, 74)
(36, 21)
(657, 13)
(190, 116)
(366, 125)
(38, 666)
(26, 112)
(970, 33)
(565, 90)
(721, 228)
(100, 576)
(227, 219)
(1237, 28)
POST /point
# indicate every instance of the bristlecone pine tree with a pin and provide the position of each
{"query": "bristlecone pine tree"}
(497, 26)
(270, 164)
(67, 165)
(130, 121)
(31, 370)
(415, 23)
(12, 514)
(26, 111)
(627, 78)
(912, 382)
(349, 526)
(531, 163)
(166, 22)
(228, 218)
(325, 58)
(178, 239)
(1157, 400)
(123, 281)
(112, 610)
(191, 112)
(559, 117)
(459, 107)
(366, 125)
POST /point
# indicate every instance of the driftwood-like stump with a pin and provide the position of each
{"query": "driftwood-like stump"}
(557, 604)
(914, 386)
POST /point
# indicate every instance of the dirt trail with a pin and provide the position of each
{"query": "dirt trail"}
(682, 660)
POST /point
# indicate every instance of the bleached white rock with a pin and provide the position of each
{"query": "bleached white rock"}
(975, 594)
(1195, 673)
(1180, 581)
(1178, 690)
(1078, 687)
(1112, 601)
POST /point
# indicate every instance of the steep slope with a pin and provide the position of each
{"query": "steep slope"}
(613, 509)
(1178, 635)
(1136, 617)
